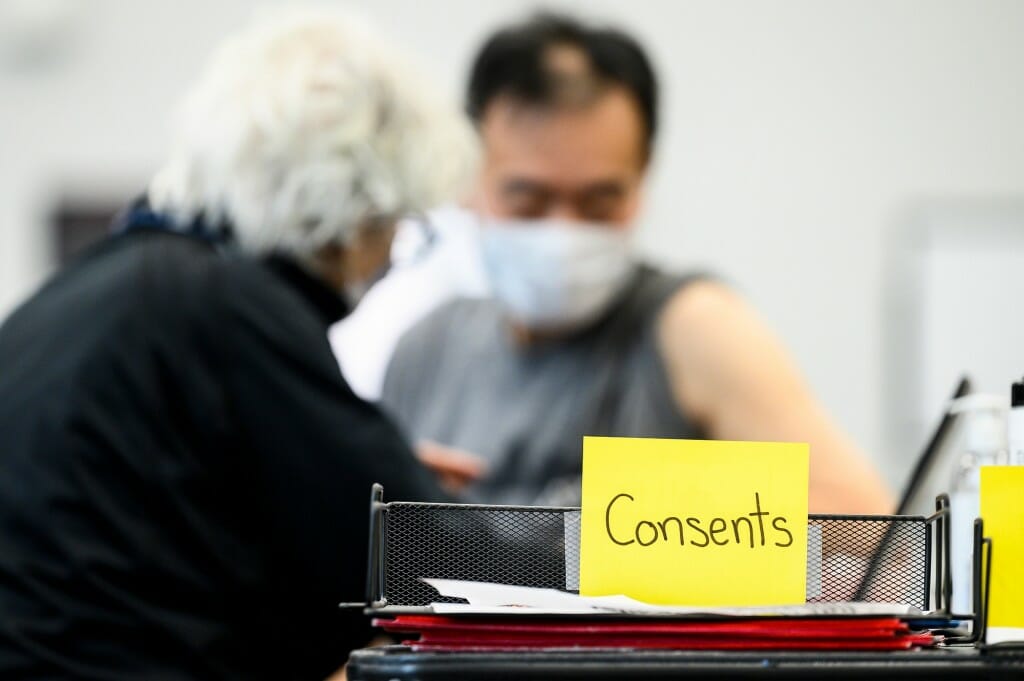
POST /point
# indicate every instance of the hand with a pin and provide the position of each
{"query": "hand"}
(454, 468)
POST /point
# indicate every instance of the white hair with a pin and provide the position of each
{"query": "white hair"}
(304, 128)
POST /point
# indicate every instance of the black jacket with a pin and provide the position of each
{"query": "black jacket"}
(184, 474)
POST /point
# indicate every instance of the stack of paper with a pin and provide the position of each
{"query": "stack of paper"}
(501, 617)
(485, 598)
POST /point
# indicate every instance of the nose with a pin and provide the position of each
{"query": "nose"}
(564, 210)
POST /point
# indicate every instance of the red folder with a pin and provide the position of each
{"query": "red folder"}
(448, 633)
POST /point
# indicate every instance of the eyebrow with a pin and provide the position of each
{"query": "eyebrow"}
(524, 186)
(610, 188)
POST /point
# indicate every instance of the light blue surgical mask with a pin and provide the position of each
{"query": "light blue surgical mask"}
(555, 274)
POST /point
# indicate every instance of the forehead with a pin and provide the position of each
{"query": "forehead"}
(598, 139)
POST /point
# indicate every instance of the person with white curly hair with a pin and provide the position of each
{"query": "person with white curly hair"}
(184, 473)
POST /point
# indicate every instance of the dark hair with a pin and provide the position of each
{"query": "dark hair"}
(512, 62)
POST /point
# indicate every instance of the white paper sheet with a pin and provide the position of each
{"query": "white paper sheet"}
(492, 599)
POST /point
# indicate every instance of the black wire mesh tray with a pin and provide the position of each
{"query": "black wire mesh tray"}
(850, 557)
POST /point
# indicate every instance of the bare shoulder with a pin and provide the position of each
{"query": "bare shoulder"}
(705, 301)
(710, 319)
(712, 341)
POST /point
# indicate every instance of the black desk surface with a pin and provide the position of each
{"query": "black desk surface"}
(399, 663)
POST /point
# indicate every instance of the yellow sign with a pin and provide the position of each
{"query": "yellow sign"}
(1002, 488)
(694, 522)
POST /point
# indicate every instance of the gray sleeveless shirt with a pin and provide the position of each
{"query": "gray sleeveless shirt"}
(460, 379)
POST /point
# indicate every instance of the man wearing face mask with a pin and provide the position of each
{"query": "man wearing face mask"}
(184, 473)
(578, 337)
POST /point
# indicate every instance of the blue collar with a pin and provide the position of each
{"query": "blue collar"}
(140, 216)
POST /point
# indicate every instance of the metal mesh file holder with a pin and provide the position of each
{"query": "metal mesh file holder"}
(898, 559)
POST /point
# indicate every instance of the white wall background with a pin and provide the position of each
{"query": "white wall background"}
(796, 134)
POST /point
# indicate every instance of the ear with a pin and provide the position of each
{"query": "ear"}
(368, 251)
(329, 263)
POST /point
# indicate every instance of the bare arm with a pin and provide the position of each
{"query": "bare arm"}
(731, 374)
